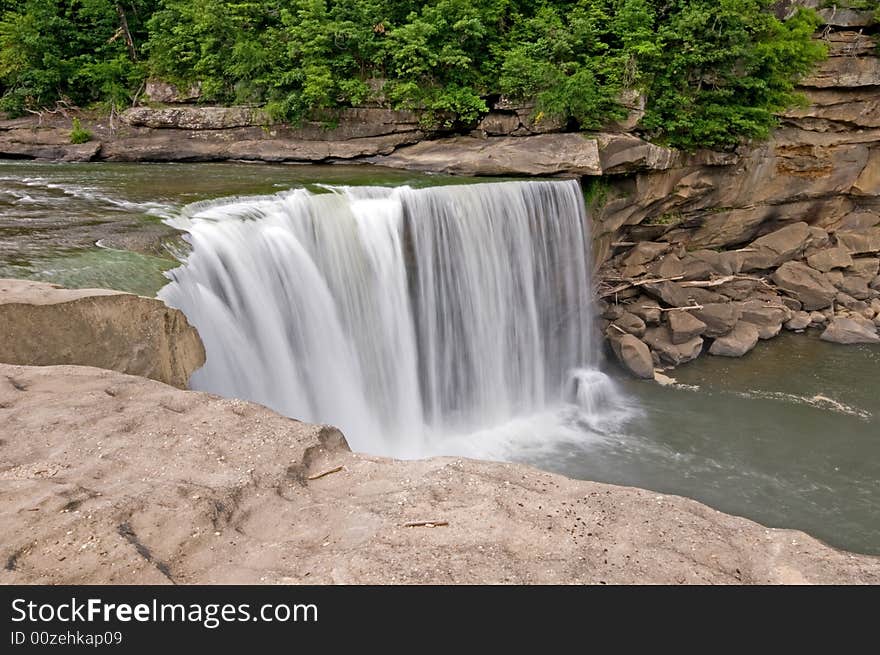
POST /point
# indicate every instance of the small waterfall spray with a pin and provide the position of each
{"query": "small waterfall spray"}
(400, 315)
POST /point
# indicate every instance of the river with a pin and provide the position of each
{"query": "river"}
(788, 435)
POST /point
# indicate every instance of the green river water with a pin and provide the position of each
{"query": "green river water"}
(788, 436)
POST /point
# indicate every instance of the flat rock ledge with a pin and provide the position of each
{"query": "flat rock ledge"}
(43, 324)
(110, 478)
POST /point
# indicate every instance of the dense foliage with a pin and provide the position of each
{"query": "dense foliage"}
(714, 71)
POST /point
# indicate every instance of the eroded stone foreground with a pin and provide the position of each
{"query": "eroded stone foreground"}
(110, 478)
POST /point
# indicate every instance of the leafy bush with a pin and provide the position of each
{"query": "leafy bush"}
(79, 134)
(714, 71)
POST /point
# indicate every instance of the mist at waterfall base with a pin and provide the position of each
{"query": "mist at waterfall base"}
(448, 320)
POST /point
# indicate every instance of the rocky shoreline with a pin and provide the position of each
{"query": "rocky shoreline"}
(663, 305)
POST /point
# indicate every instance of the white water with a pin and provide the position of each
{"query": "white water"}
(420, 321)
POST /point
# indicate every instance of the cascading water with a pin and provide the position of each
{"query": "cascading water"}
(416, 320)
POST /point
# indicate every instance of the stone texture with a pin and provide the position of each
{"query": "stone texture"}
(631, 324)
(862, 242)
(647, 309)
(800, 321)
(672, 354)
(545, 154)
(808, 285)
(42, 324)
(720, 318)
(777, 247)
(152, 469)
(684, 327)
(767, 317)
(669, 293)
(635, 356)
(825, 260)
(736, 343)
(849, 331)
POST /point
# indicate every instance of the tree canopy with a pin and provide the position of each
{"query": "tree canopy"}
(713, 71)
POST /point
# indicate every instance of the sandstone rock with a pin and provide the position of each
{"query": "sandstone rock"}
(858, 243)
(857, 287)
(161, 473)
(545, 154)
(846, 300)
(647, 309)
(777, 247)
(846, 108)
(684, 327)
(849, 331)
(736, 343)
(631, 324)
(839, 15)
(670, 293)
(738, 289)
(668, 266)
(793, 304)
(818, 318)
(165, 92)
(195, 118)
(825, 260)
(672, 354)
(875, 283)
(612, 311)
(700, 265)
(702, 296)
(767, 318)
(720, 318)
(635, 356)
(644, 252)
(625, 153)
(866, 267)
(42, 324)
(845, 72)
(807, 284)
(800, 321)
(497, 123)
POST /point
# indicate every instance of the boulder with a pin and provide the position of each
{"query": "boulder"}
(866, 267)
(720, 318)
(777, 247)
(635, 356)
(702, 296)
(857, 287)
(825, 260)
(669, 293)
(668, 266)
(736, 343)
(849, 331)
(861, 242)
(817, 319)
(646, 309)
(850, 303)
(644, 252)
(611, 311)
(684, 327)
(700, 265)
(766, 317)
(672, 354)
(800, 321)
(42, 324)
(807, 284)
(631, 324)
(739, 289)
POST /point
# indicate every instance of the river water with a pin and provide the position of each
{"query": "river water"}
(788, 435)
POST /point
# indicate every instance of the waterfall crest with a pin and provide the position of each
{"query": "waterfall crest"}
(398, 314)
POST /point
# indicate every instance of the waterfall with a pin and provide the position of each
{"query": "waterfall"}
(398, 314)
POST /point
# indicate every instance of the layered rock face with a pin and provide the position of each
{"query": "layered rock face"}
(42, 324)
(109, 478)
